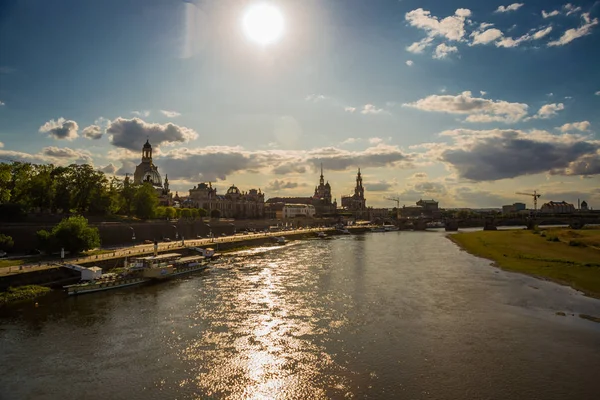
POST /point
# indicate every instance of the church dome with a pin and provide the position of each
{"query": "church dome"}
(153, 177)
(233, 190)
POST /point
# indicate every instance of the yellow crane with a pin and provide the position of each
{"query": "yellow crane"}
(535, 196)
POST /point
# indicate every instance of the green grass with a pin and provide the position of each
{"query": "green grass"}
(22, 293)
(566, 256)
(17, 262)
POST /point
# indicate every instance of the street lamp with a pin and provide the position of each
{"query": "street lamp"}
(176, 232)
(132, 233)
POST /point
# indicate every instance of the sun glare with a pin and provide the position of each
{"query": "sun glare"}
(263, 24)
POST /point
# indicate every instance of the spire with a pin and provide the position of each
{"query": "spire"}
(321, 181)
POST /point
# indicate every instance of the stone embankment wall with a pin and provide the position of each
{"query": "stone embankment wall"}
(121, 233)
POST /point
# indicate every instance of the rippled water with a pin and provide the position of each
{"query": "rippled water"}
(392, 315)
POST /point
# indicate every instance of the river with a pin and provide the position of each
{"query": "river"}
(403, 315)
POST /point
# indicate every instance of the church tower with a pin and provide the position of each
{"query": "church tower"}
(147, 152)
(359, 191)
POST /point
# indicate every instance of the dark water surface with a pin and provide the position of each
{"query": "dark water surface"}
(399, 315)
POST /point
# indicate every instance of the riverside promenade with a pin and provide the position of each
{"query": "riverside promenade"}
(144, 249)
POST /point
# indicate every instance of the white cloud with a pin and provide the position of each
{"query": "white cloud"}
(549, 110)
(143, 113)
(510, 42)
(550, 94)
(571, 9)
(170, 114)
(542, 32)
(477, 109)
(350, 109)
(375, 140)
(490, 155)
(279, 185)
(451, 27)
(78, 155)
(315, 97)
(92, 132)
(60, 129)
(218, 162)
(409, 63)
(371, 109)
(574, 33)
(132, 133)
(550, 14)
(350, 141)
(2, 103)
(575, 126)
(109, 169)
(418, 47)
(486, 36)
(597, 93)
(1, 145)
(512, 7)
(482, 92)
(442, 51)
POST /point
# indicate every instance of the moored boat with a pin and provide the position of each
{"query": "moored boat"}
(141, 270)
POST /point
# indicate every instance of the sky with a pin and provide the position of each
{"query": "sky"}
(466, 102)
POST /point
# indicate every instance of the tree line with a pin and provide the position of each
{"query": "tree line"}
(78, 189)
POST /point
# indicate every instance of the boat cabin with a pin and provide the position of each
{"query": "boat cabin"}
(159, 261)
(90, 274)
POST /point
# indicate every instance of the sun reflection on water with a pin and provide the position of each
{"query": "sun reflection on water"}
(261, 342)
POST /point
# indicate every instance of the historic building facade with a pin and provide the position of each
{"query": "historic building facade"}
(147, 172)
(233, 204)
(320, 201)
(356, 202)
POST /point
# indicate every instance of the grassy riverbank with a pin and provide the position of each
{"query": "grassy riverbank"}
(22, 293)
(566, 256)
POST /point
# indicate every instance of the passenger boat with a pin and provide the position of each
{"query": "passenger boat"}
(378, 229)
(390, 228)
(141, 270)
(280, 240)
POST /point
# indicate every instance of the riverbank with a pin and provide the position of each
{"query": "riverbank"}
(566, 256)
(20, 293)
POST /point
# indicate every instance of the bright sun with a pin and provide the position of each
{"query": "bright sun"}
(263, 24)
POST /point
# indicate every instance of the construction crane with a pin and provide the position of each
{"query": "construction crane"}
(397, 200)
(535, 196)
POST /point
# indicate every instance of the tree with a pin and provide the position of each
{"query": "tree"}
(6, 242)
(145, 201)
(215, 214)
(186, 213)
(127, 196)
(5, 183)
(160, 212)
(202, 212)
(170, 212)
(194, 213)
(73, 234)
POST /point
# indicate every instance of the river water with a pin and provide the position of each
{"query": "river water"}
(402, 315)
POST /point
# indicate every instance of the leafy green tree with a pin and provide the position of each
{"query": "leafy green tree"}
(73, 234)
(186, 213)
(215, 214)
(6, 242)
(160, 212)
(178, 213)
(127, 196)
(170, 212)
(202, 212)
(5, 182)
(145, 201)
(194, 213)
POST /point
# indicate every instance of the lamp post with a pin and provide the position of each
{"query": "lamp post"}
(132, 233)
(176, 232)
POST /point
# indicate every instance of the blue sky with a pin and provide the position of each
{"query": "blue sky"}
(462, 101)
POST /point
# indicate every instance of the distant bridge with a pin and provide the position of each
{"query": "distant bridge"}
(574, 221)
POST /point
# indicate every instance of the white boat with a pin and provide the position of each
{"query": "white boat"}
(390, 228)
(280, 240)
(141, 270)
(321, 235)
